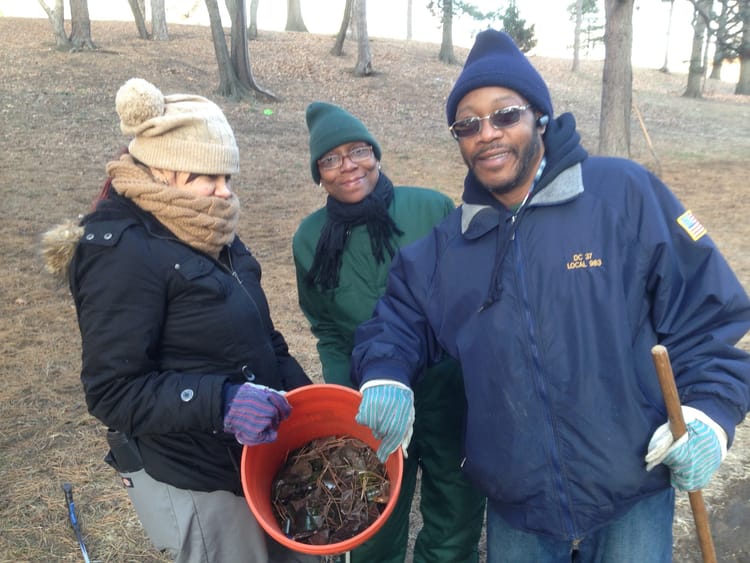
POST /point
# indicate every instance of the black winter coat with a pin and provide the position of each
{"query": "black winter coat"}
(164, 327)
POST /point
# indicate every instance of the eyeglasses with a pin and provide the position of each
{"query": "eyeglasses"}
(500, 119)
(333, 160)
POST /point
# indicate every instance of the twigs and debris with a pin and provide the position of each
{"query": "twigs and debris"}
(329, 490)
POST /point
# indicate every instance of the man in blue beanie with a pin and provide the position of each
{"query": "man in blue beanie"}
(551, 284)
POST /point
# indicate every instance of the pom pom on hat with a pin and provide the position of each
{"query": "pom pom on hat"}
(137, 101)
(181, 132)
(495, 60)
(330, 126)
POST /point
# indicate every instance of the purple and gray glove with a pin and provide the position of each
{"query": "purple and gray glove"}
(253, 413)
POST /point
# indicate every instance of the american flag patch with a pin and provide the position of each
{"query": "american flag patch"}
(691, 225)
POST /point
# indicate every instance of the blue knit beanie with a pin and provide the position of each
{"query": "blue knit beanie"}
(495, 60)
(331, 126)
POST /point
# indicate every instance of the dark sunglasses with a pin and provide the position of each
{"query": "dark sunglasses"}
(500, 119)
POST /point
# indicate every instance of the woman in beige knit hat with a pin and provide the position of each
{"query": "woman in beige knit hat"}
(181, 360)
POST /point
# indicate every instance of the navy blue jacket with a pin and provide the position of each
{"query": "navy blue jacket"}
(552, 315)
(164, 327)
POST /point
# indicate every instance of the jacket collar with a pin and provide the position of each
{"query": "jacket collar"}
(478, 219)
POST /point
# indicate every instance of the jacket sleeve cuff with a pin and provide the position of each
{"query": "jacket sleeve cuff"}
(378, 382)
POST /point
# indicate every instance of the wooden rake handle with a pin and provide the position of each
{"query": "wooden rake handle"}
(677, 426)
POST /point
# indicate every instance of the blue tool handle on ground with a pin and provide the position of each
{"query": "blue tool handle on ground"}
(68, 489)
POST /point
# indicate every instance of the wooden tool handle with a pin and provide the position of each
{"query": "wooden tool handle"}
(669, 390)
(677, 426)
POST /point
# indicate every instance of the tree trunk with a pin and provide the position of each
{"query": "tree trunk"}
(617, 79)
(665, 67)
(353, 22)
(229, 85)
(191, 10)
(158, 21)
(721, 38)
(743, 84)
(252, 29)
(577, 36)
(140, 19)
(80, 35)
(338, 46)
(408, 19)
(364, 57)
(57, 20)
(294, 21)
(446, 46)
(240, 55)
(696, 69)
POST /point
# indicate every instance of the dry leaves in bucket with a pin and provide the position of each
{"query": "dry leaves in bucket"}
(329, 490)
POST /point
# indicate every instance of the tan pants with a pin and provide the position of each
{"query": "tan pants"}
(200, 527)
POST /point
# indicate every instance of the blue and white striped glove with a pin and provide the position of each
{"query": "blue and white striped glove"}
(387, 408)
(692, 459)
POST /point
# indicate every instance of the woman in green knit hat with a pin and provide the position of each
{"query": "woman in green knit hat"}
(342, 253)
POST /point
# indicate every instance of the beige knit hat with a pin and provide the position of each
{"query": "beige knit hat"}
(181, 132)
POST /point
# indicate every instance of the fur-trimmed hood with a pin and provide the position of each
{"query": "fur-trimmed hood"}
(58, 246)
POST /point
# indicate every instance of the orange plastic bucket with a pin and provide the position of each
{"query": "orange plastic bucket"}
(318, 411)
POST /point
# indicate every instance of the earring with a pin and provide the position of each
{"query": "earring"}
(320, 184)
(379, 165)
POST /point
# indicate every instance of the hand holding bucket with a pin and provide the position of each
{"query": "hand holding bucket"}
(318, 411)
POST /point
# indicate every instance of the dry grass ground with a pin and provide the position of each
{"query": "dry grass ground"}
(59, 127)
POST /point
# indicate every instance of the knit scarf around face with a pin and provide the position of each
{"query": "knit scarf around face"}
(207, 223)
(342, 217)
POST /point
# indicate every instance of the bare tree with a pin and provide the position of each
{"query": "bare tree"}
(236, 80)
(445, 10)
(731, 33)
(191, 10)
(80, 33)
(338, 46)
(617, 79)
(353, 23)
(364, 57)
(665, 67)
(294, 21)
(577, 36)
(252, 29)
(743, 84)
(720, 52)
(696, 69)
(139, 15)
(584, 15)
(159, 30)
(56, 17)
(446, 45)
(408, 19)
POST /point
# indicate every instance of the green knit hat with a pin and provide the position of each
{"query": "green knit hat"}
(331, 126)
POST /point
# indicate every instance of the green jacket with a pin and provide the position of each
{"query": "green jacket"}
(335, 315)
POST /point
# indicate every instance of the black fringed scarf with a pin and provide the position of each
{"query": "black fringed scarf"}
(342, 217)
